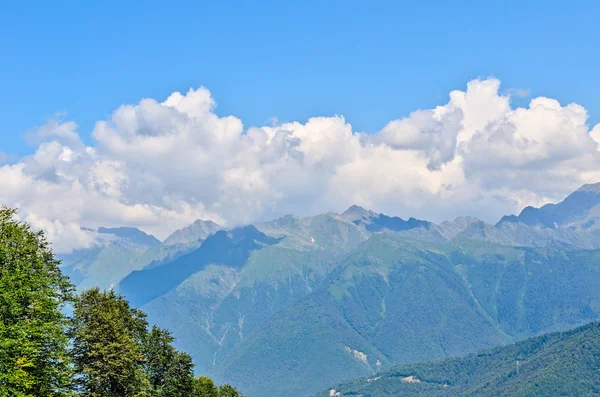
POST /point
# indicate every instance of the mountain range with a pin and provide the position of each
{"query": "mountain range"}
(297, 304)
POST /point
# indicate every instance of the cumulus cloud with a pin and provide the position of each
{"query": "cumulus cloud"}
(161, 165)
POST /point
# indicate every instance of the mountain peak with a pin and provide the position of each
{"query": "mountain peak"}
(576, 206)
(131, 235)
(203, 223)
(590, 188)
(356, 212)
(199, 230)
(466, 219)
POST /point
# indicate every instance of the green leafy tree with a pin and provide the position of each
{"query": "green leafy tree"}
(33, 345)
(107, 337)
(170, 372)
(205, 387)
(227, 390)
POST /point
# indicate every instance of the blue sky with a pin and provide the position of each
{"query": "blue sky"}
(369, 61)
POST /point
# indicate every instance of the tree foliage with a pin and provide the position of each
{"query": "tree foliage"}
(107, 337)
(228, 391)
(170, 372)
(116, 355)
(33, 345)
(205, 387)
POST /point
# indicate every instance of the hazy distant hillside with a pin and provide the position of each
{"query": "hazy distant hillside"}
(116, 252)
(574, 211)
(559, 364)
(113, 255)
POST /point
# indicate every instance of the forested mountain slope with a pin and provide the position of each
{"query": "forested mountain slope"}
(558, 364)
(395, 301)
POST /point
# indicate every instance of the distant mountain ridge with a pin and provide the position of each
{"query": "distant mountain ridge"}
(565, 213)
(199, 230)
(298, 303)
(131, 235)
(378, 222)
(227, 248)
(118, 251)
(111, 257)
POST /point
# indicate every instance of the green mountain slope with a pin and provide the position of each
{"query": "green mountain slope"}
(558, 364)
(394, 300)
(226, 248)
(305, 345)
(217, 305)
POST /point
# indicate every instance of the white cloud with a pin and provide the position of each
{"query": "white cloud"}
(55, 128)
(595, 133)
(161, 165)
(519, 92)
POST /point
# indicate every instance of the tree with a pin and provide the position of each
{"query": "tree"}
(170, 372)
(33, 345)
(227, 390)
(205, 387)
(107, 337)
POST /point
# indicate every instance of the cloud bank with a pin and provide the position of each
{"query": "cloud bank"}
(161, 165)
